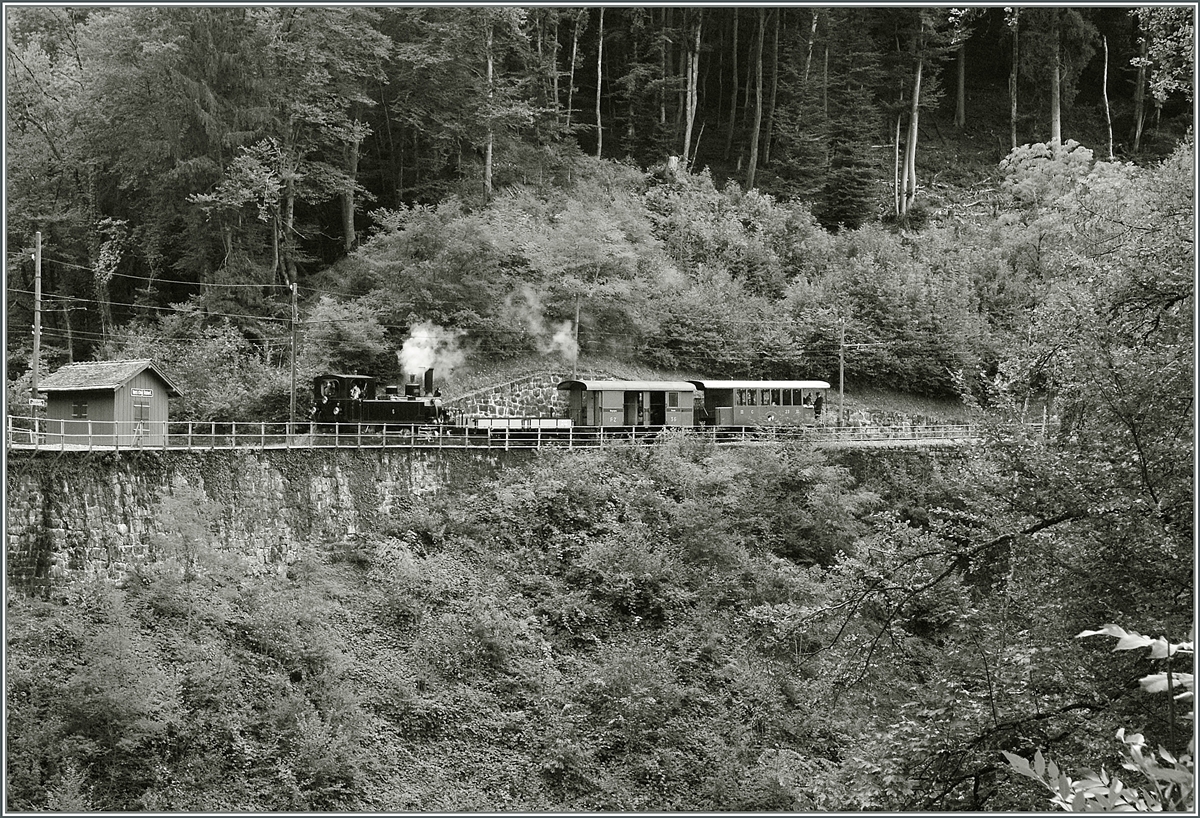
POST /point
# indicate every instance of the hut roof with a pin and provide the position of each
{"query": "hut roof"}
(96, 375)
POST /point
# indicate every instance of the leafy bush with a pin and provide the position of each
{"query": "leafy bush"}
(1170, 781)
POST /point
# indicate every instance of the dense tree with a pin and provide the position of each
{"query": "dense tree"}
(215, 154)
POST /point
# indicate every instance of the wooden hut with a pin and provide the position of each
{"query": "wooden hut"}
(108, 403)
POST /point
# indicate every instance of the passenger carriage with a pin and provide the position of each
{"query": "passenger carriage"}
(630, 403)
(760, 403)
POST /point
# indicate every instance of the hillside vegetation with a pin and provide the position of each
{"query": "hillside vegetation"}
(718, 190)
(651, 628)
(656, 628)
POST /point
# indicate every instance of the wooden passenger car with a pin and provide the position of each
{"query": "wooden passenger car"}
(629, 403)
(761, 403)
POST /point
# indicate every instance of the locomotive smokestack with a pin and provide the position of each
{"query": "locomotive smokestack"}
(429, 381)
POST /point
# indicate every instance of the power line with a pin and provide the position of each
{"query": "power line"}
(154, 279)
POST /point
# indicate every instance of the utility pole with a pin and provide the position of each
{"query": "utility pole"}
(37, 317)
(295, 317)
(842, 374)
(575, 360)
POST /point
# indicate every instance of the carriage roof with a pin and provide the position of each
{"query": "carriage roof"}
(761, 385)
(629, 386)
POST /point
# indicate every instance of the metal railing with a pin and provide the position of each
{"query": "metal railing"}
(91, 435)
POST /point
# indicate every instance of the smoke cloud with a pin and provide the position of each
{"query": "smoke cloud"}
(429, 345)
(525, 308)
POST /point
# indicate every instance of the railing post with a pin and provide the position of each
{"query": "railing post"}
(233, 434)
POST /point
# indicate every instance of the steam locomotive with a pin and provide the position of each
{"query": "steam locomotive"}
(355, 399)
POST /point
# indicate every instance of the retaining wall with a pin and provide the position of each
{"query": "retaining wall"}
(76, 515)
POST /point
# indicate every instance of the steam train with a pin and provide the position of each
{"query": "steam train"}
(353, 401)
(340, 400)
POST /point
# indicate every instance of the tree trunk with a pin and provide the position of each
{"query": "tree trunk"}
(693, 79)
(910, 148)
(352, 153)
(733, 73)
(599, 83)
(1107, 111)
(1015, 24)
(897, 201)
(662, 72)
(752, 167)
(770, 126)
(1139, 97)
(491, 136)
(70, 341)
(682, 70)
(276, 258)
(960, 107)
(746, 98)
(812, 38)
(574, 59)
(289, 222)
(1055, 82)
(554, 68)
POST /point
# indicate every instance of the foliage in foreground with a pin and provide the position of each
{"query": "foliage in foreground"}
(1169, 785)
(654, 628)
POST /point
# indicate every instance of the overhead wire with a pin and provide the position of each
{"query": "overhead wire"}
(591, 333)
(750, 357)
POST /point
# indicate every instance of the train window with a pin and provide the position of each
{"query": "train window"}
(329, 388)
(752, 396)
(673, 400)
(787, 397)
(808, 398)
(741, 397)
(775, 398)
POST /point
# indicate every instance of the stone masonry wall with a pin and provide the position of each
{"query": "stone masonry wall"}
(533, 396)
(76, 515)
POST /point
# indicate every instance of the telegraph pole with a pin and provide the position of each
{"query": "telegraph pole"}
(842, 373)
(295, 316)
(37, 317)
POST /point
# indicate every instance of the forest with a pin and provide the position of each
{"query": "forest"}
(990, 205)
(221, 177)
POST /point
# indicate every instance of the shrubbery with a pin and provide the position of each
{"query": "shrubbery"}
(670, 627)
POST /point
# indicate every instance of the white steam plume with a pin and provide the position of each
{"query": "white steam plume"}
(526, 308)
(429, 345)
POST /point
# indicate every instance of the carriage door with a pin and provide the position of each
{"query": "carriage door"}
(658, 408)
(634, 408)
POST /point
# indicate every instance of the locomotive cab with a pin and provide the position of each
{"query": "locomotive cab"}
(358, 399)
(340, 398)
